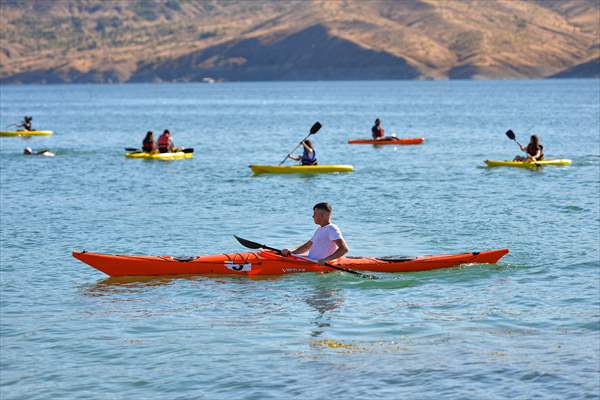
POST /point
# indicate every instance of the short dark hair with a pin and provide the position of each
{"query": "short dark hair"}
(323, 206)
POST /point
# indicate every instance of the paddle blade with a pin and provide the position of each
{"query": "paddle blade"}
(315, 128)
(248, 243)
(188, 150)
(510, 134)
(131, 149)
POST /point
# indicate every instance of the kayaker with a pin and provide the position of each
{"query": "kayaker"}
(26, 124)
(44, 152)
(534, 150)
(148, 145)
(327, 243)
(309, 156)
(165, 142)
(377, 130)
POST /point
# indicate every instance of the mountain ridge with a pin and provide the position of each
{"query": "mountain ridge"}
(169, 40)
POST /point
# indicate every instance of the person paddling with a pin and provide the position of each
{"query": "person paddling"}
(165, 143)
(327, 243)
(534, 150)
(309, 156)
(26, 124)
(148, 145)
(377, 130)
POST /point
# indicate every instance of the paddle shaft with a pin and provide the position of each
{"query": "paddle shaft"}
(330, 265)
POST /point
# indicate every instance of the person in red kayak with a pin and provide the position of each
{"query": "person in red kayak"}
(377, 130)
(148, 145)
(327, 243)
(534, 150)
(165, 143)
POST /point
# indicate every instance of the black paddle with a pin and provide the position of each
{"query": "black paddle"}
(254, 245)
(314, 129)
(511, 135)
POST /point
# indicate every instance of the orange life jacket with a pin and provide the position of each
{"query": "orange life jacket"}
(164, 141)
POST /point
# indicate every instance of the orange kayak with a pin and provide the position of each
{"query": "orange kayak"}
(396, 141)
(265, 262)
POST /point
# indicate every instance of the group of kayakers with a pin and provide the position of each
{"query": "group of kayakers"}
(327, 243)
(164, 144)
(534, 150)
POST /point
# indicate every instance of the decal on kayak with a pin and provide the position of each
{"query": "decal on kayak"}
(238, 267)
(291, 270)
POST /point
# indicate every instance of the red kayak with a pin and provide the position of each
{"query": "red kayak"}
(267, 262)
(388, 140)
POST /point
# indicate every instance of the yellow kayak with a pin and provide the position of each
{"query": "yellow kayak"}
(526, 164)
(27, 133)
(160, 156)
(299, 169)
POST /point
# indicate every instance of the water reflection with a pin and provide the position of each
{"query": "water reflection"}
(323, 300)
(136, 284)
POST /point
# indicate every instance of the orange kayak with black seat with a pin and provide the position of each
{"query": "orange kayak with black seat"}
(265, 262)
(388, 140)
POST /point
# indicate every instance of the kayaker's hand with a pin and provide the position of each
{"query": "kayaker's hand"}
(322, 261)
(285, 252)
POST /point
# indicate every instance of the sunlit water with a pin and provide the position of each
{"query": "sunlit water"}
(526, 328)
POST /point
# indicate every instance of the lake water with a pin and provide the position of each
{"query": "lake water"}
(526, 328)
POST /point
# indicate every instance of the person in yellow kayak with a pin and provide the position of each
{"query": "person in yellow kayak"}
(377, 130)
(534, 150)
(327, 243)
(309, 156)
(165, 143)
(148, 145)
(26, 124)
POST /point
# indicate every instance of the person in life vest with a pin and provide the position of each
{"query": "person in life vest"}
(309, 156)
(26, 124)
(148, 145)
(534, 150)
(327, 243)
(377, 130)
(165, 143)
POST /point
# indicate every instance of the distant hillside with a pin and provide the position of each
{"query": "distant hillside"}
(44, 41)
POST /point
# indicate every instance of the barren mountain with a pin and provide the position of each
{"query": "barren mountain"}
(187, 40)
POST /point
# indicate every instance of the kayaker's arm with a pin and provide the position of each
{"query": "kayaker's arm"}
(300, 250)
(341, 250)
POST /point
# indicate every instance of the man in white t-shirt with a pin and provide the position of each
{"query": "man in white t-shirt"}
(327, 243)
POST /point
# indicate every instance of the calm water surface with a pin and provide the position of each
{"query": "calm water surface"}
(526, 328)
